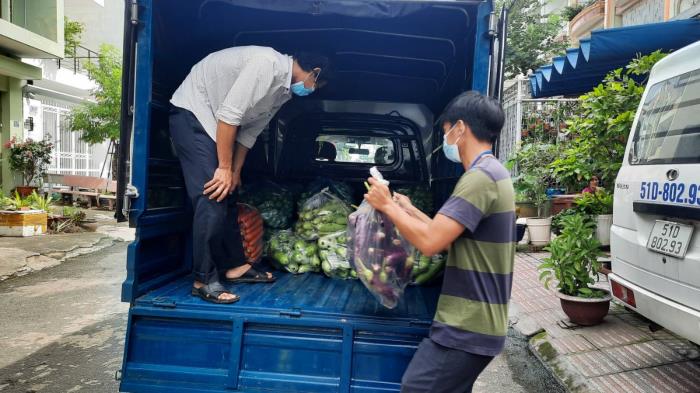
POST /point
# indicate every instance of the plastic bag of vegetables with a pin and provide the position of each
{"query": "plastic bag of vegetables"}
(334, 256)
(251, 227)
(275, 203)
(340, 189)
(322, 214)
(293, 254)
(378, 253)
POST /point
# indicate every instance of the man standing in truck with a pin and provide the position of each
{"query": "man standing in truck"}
(477, 227)
(218, 111)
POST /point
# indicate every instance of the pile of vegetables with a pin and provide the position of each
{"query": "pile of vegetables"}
(379, 255)
(427, 268)
(275, 203)
(420, 196)
(251, 225)
(334, 256)
(293, 254)
(339, 189)
(322, 214)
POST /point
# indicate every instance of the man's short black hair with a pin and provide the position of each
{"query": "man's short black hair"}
(483, 114)
(310, 60)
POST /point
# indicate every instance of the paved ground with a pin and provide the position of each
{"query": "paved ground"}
(621, 355)
(63, 330)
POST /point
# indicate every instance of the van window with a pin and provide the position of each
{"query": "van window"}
(668, 130)
(355, 149)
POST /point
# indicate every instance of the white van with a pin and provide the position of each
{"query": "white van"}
(655, 238)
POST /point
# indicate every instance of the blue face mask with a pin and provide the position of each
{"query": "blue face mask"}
(301, 90)
(451, 151)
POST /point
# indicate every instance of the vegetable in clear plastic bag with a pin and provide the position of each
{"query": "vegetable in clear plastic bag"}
(250, 224)
(293, 254)
(420, 197)
(426, 269)
(275, 203)
(379, 255)
(333, 252)
(340, 189)
(322, 214)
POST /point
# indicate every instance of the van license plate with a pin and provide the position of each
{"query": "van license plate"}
(670, 238)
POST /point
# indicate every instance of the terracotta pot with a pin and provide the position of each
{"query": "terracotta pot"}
(584, 311)
(25, 191)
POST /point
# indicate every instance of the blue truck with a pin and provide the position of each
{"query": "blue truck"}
(397, 63)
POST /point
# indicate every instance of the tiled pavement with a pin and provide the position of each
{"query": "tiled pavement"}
(620, 355)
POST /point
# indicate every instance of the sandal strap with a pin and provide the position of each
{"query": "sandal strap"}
(215, 288)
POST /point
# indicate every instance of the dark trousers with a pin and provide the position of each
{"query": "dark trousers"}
(216, 237)
(438, 369)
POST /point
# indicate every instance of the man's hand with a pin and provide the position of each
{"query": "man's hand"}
(222, 184)
(403, 201)
(379, 195)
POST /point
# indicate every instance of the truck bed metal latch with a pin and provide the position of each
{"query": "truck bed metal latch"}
(292, 313)
(164, 303)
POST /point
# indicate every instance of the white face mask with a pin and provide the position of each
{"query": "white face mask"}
(451, 151)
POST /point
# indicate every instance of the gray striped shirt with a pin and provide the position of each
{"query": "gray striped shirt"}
(243, 86)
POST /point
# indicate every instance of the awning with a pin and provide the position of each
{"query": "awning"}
(584, 67)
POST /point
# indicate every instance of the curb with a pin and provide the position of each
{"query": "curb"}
(35, 262)
(564, 371)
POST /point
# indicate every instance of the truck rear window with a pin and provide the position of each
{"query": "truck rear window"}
(355, 149)
(668, 129)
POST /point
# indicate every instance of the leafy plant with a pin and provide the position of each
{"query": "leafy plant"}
(18, 203)
(574, 258)
(71, 217)
(6, 203)
(30, 158)
(72, 33)
(99, 120)
(600, 202)
(39, 202)
(534, 175)
(598, 131)
(558, 219)
(531, 41)
(570, 12)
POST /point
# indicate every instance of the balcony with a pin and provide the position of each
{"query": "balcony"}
(31, 28)
(76, 59)
(589, 19)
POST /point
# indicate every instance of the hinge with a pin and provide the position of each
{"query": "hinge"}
(164, 303)
(134, 12)
(493, 24)
(292, 313)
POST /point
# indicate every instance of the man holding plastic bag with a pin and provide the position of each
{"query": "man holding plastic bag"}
(477, 227)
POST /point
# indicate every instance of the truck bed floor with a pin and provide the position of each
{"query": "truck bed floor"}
(311, 294)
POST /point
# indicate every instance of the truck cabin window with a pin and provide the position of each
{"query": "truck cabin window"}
(354, 149)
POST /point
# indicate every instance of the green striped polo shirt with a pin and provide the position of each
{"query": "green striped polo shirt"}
(472, 312)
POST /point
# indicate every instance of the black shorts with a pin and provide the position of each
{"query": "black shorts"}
(438, 369)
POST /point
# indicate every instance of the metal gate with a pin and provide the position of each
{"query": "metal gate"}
(71, 155)
(531, 120)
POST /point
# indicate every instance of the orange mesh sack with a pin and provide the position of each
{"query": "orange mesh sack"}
(251, 224)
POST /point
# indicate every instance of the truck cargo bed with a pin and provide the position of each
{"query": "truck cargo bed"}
(312, 294)
(304, 333)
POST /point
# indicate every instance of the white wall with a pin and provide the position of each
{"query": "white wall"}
(646, 11)
(103, 19)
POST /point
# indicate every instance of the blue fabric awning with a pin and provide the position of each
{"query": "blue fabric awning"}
(584, 67)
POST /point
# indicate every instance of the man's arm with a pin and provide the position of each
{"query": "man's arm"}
(223, 182)
(429, 236)
(238, 160)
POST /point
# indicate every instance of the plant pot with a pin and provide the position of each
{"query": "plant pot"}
(23, 223)
(540, 230)
(519, 232)
(584, 311)
(602, 229)
(526, 209)
(25, 191)
(561, 203)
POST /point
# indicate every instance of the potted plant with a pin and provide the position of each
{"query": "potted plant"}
(31, 159)
(573, 264)
(599, 206)
(21, 217)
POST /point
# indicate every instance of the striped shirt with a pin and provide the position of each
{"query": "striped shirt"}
(472, 313)
(243, 86)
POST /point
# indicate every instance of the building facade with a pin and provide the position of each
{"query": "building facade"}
(28, 28)
(605, 14)
(66, 84)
